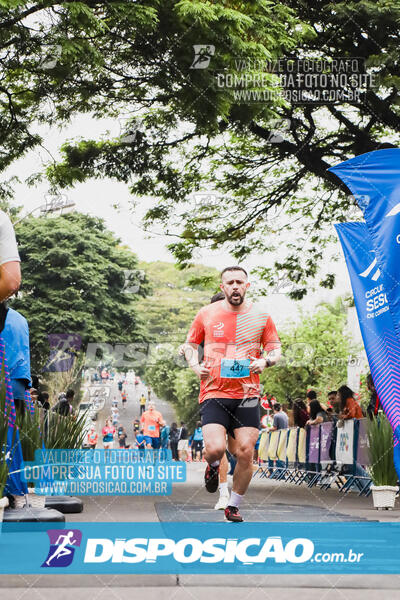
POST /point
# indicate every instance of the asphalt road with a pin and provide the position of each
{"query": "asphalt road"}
(132, 408)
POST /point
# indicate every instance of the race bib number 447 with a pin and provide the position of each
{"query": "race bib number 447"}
(232, 368)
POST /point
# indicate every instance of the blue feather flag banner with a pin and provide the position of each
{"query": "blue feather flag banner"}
(376, 323)
(374, 180)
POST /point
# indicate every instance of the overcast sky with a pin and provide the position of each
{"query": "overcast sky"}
(100, 197)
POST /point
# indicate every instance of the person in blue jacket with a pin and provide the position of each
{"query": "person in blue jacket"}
(14, 334)
(197, 443)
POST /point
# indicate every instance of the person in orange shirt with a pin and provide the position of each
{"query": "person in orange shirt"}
(349, 407)
(124, 398)
(150, 422)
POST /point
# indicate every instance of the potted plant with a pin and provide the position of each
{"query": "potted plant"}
(50, 430)
(65, 432)
(382, 470)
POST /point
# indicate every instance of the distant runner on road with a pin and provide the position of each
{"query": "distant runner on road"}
(92, 437)
(150, 422)
(142, 402)
(240, 341)
(108, 433)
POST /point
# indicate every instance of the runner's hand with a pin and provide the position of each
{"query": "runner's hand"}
(202, 372)
(257, 365)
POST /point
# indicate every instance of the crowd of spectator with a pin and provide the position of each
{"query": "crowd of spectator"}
(341, 404)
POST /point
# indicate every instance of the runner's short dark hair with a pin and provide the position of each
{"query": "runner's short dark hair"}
(277, 406)
(311, 395)
(235, 268)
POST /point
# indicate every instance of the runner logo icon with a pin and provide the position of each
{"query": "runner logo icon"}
(202, 55)
(62, 547)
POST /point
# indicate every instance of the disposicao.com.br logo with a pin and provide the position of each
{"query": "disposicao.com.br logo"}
(202, 547)
(247, 551)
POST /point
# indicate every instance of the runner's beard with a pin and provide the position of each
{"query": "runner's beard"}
(236, 300)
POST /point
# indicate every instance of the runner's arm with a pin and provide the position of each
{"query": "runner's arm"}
(269, 359)
(271, 344)
(194, 338)
(10, 279)
(272, 357)
(10, 272)
(315, 421)
(192, 357)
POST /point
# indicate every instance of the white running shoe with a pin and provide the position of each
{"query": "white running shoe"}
(222, 502)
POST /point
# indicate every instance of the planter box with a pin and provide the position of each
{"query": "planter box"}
(3, 505)
(384, 496)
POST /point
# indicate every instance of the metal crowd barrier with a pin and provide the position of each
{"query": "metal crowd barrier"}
(331, 454)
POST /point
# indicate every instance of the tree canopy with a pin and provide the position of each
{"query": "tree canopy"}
(175, 298)
(74, 281)
(226, 169)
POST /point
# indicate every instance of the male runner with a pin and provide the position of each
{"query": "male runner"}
(151, 421)
(142, 402)
(224, 465)
(233, 331)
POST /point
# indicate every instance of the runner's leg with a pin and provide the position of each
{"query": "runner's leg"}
(214, 441)
(223, 470)
(231, 444)
(223, 476)
(223, 484)
(246, 438)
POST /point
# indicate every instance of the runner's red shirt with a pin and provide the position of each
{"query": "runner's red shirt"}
(229, 339)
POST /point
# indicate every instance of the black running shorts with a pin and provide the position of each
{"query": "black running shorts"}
(232, 413)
